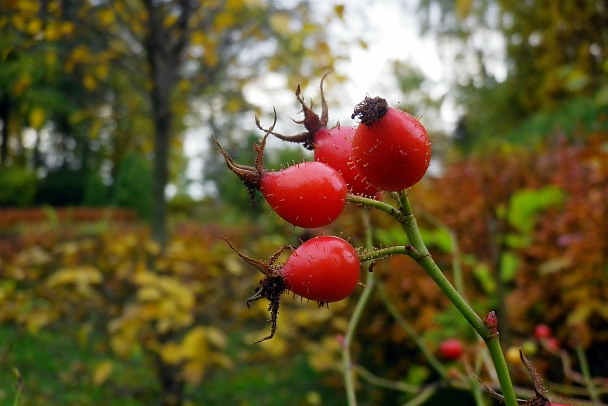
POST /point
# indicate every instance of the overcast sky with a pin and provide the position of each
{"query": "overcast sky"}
(389, 28)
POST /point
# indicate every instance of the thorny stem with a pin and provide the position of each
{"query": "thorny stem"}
(349, 379)
(373, 203)
(405, 216)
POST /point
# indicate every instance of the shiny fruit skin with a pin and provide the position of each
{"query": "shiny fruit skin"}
(308, 194)
(334, 147)
(394, 152)
(324, 268)
(451, 349)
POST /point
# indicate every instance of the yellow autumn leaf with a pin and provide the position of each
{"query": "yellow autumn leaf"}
(193, 372)
(37, 118)
(84, 334)
(38, 319)
(34, 26)
(148, 293)
(280, 23)
(18, 22)
(29, 7)
(52, 31)
(21, 85)
(144, 278)
(171, 353)
(102, 71)
(55, 7)
(67, 28)
(235, 4)
(106, 17)
(339, 11)
(194, 344)
(89, 82)
(224, 20)
(198, 37)
(50, 58)
(170, 20)
(102, 372)
(80, 276)
(222, 360)
(216, 337)
(80, 54)
(463, 8)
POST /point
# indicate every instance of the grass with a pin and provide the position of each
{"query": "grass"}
(57, 370)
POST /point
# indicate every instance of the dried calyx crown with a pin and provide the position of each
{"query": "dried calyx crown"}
(250, 175)
(370, 110)
(271, 286)
(312, 122)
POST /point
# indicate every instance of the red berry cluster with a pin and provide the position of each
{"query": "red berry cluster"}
(389, 151)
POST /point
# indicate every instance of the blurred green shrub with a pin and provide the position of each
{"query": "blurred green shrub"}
(96, 192)
(133, 185)
(17, 187)
(61, 187)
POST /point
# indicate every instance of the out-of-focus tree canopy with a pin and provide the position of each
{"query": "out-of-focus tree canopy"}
(83, 83)
(513, 61)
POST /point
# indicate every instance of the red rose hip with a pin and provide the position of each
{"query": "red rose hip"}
(391, 149)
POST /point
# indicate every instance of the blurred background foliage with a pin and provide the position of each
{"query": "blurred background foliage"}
(520, 201)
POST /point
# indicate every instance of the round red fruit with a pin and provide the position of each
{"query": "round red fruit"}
(391, 149)
(542, 331)
(324, 269)
(309, 194)
(331, 146)
(451, 349)
(334, 147)
(551, 344)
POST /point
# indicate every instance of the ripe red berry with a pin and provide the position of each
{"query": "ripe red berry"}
(334, 147)
(309, 194)
(331, 146)
(542, 331)
(325, 269)
(391, 149)
(451, 349)
(551, 344)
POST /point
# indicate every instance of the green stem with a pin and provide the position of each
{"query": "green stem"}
(376, 204)
(405, 216)
(410, 226)
(349, 380)
(390, 251)
(502, 371)
(19, 392)
(582, 359)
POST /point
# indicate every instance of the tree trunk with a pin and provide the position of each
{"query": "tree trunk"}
(164, 46)
(4, 117)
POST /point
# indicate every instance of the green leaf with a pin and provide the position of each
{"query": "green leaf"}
(483, 274)
(526, 204)
(438, 237)
(509, 262)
